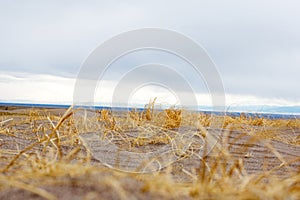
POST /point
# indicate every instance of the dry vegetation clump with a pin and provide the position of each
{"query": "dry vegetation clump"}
(265, 128)
(43, 155)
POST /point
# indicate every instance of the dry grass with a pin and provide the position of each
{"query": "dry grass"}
(42, 155)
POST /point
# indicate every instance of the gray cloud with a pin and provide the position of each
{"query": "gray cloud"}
(255, 44)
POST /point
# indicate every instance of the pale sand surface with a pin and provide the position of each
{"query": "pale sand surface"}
(257, 155)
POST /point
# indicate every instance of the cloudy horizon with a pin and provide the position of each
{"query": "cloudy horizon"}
(254, 44)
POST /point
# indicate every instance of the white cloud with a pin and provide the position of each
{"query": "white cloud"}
(36, 88)
(255, 44)
(59, 90)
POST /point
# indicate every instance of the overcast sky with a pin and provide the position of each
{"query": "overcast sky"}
(254, 44)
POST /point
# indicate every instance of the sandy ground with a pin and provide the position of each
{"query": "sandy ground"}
(258, 156)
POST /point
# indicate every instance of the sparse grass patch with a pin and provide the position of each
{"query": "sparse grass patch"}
(42, 155)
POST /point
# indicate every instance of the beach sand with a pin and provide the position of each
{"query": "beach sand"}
(244, 164)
